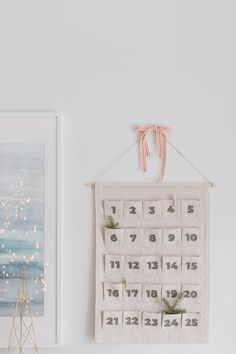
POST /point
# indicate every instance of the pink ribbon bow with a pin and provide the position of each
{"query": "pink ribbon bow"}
(160, 137)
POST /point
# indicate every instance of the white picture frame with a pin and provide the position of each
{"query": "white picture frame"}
(42, 128)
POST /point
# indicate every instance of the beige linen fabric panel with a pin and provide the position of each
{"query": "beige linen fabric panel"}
(122, 319)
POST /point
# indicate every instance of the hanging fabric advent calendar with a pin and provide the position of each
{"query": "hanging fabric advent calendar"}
(151, 258)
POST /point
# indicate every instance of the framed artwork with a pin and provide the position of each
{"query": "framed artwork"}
(30, 220)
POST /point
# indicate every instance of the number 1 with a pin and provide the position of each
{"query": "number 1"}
(113, 208)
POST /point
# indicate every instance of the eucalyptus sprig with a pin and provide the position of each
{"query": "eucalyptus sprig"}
(111, 224)
(172, 308)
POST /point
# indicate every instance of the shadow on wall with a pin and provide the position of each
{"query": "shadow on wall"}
(90, 323)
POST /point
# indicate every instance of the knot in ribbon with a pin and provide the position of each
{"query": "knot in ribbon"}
(160, 138)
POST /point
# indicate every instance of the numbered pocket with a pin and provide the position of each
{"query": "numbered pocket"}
(133, 209)
(112, 291)
(112, 319)
(151, 320)
(133, 264)
(191, 293)
(131, 319)
(191, 237)
(171, 264)
(170, 209)
(132, 292)
(190, 320)
(171, 321)
(152, 237)
(190, 264)
(152, 264)
(151, 292)
(114, 237)
(190, 208)
(170, 291)
(114, 208)
(114, 263)
(133, 237)
(171, 237)
(151, 209)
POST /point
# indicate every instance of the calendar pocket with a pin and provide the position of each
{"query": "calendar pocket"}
(151, 209)
(170, 209)
(170, 291)
(112, 291)
(151, 320)
(114, 237)
(114, 263)
(152, 237)
(133, 237)
(191, 293)
(171, 264)
(133, 209)
(151, 292)
(133, 264)
(152, 264)
(171, 237)
(132, 292)
(190, 264)
(131, 319)
(171, 321)
(190, 320)
(114, 208)
(112, 319)
(190, 208)
(191, 237)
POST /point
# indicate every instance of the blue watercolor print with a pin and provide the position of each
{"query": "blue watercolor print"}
(21, 224)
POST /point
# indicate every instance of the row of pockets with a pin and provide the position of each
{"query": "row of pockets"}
(148, 292)
(167, 237)
(152, 209)
(152, 264)
(136, 319)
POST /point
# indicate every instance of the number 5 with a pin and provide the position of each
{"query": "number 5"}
(190, 209)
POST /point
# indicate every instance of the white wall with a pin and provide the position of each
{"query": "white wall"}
(109, 65)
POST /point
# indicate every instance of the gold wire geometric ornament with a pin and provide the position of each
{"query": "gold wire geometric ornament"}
(22, 330)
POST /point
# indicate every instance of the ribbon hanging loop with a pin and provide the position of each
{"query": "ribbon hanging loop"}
(159, 132)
